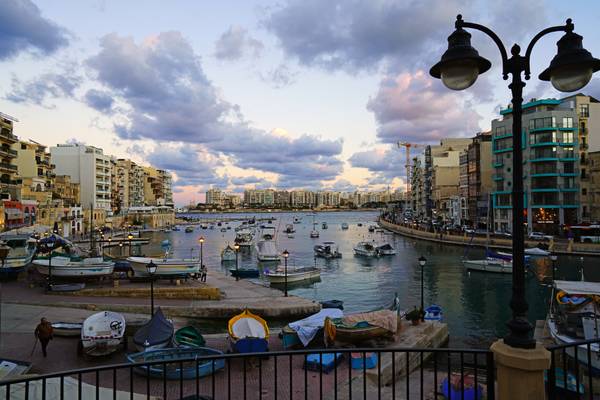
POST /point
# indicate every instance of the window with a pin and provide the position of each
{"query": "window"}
(547, 122)
(569, 167)
(584, 191)
(567, 137)
(500, 131)
(567, 122)
(584, 110)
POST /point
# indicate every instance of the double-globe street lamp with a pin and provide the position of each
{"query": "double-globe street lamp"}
(285, 255)
(151, 269)
(570, 70)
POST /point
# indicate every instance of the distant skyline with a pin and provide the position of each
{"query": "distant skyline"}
(241, 94)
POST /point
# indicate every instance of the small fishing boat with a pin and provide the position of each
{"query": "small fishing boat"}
(189, 336)
(289, 228)
(13, 369)
(372, 228)
(356, 328)
(244, 237)
(176, 228)
(223, 229)
(244, 273)
(189, 229)
(296, 274)
(178, 368)
(67, 329)
(165, 267)
(433, 313)
(537, 252)
(297, 220)
(314, 234)
(308, 330)
(204, 226)
(266, 248)
(20, 254)
(344, 225)
(489, 265)
(156, 334)
(385, 249)
(365, 249)
(165, 243)
(248, 333)
(70, 266)
(228, 254)
(327, 250)
(324, 225)
(102, 333)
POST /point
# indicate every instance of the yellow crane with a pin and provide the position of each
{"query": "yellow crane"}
(408, 146)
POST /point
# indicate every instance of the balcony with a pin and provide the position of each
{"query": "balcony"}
(7, 135)
(7, 152)
(8, 167)
(569, 188)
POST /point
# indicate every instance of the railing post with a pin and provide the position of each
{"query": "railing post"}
(520, 372)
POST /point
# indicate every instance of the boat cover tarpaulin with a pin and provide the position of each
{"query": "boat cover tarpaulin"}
(493, 254)
(308, 327)
(578, 287)
(385, 319)
(52, 391)
(157, 330)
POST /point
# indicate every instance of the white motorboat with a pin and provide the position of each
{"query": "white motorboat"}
(228, 254)
(22, 249)
(297, 220)
(489, 265)
(189, 229)
(574, 316)
(372, 228)
(365, 249)
(289, 228)
(344, 225)
(165, 266)
(300, 274)
(536, 251)
(314, 234)
(324, 225)
(244, 237)
(102, 333)
(266, 248)
(385, 249)
(327, 250)
(74, 266)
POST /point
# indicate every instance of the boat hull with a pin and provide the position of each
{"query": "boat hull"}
(365, 253)
(68, 269)
(582, 350)
(488, 266)
(165, 267)
(100, 335)
(280, 278)
(244, 273)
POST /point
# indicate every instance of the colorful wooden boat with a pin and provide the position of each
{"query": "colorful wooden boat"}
(184, 362)
(337, 330)
(189, 336)
(248, 333)
(74, 266)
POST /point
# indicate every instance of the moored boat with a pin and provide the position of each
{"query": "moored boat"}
(314, 234)
(164, 266)
(344, 225)
(300, 274)
(66, 266)
(189, 336)
(289, 228)
(244, 237)
(244, 273)
(297, 220)
(365, 249)
(327, 250)
(189, 229)
(156, 334)
(489, 265)
(20, 253)
(372, 228)
(324, 225)
(178, 368)
(102, 333)
(228, 254)
(248, 333)
(385, 249)
(266, 248)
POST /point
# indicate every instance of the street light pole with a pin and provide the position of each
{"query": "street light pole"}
(201, 240)
(570, 70)
(151, 268)
(236, 247)
(286, 254)
(130, 237)
(553, 259)
(422, 262)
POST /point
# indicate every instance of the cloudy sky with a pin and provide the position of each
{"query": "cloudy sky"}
(241, 94)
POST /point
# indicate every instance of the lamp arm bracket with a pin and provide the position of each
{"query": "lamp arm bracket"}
(504, 55)
(568, 27)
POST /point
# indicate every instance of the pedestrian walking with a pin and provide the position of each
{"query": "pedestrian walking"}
(44, 333)
(203, 273)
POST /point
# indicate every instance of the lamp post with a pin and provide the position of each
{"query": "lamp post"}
(151, 268)
(553, 258)
(130, 237)
(422, 262)
(285, 255)
(570, 70)
(121, 248)
(49, 246)
(236, 247)
(201, 241)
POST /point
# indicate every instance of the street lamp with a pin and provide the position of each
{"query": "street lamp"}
(151, 268)
(285, 255)
(120, 248)
(130, 236)
(553, 258)
(201, 241)
(422, 262)
(570, 70)
(236, 247)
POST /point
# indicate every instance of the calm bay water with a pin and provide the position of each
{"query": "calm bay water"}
(475, 304)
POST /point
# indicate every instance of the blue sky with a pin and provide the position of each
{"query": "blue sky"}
(240, 94)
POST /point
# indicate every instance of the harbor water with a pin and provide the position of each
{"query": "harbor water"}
(475, 304)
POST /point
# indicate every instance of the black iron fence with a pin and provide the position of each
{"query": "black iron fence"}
(364, 373)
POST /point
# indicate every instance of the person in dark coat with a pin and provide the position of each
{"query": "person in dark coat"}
(44, 332)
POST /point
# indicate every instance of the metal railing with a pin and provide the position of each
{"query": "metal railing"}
(306, 374)
(570, 373)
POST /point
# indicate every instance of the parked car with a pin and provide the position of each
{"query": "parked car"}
(503, 233)
(539, 236)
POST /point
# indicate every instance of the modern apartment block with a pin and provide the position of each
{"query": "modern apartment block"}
(594, 185)
(90, 168)
(551, 167)
(36, 171)
(479, 179)
(8, 170)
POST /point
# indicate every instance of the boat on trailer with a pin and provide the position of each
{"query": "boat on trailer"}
(73, 266)
(102, 333)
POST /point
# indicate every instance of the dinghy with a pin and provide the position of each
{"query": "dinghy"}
(13, 369)
(191, 368)
(294, 274)
(356, 328)
(327, 250)
(102, 333)
(189, 336)
(156, 334)
(248, 333)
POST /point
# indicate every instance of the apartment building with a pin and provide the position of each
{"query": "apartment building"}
(9, 178)
(167, 184)
(36, 171)
(594, 185)
(214, 197)
(551, 168)
(66, 190)
(479, 171)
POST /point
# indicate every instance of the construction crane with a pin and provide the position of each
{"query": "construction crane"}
(408, 146)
